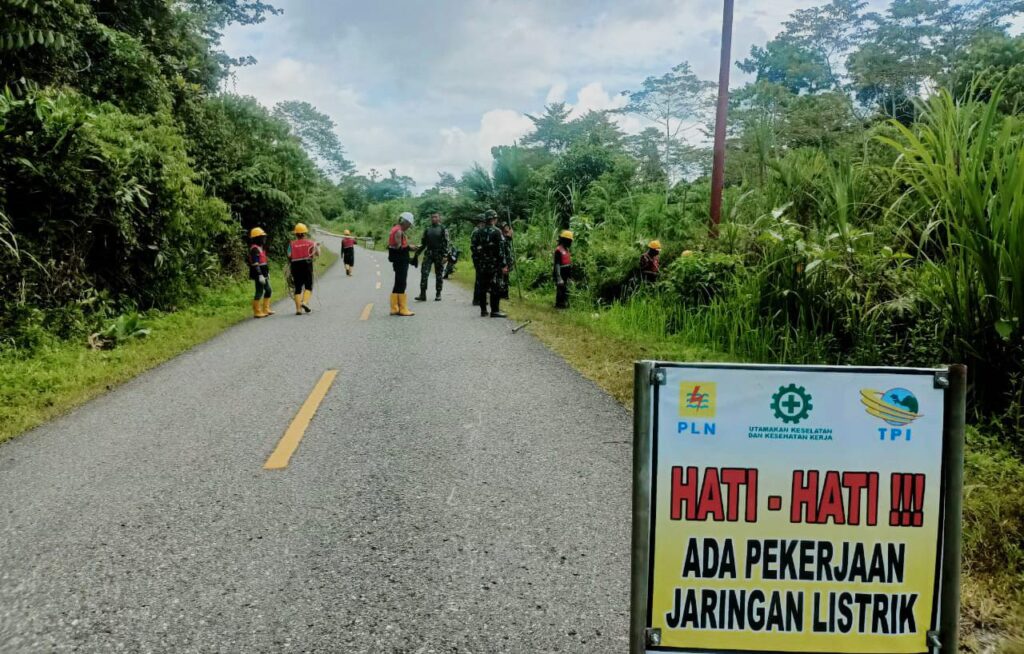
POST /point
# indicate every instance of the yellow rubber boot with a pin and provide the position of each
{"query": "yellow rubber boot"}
(257, 311)
(266, 307)
(348, 270)
(298, 304)
(403, 305)
(394, 304)
(305, 301)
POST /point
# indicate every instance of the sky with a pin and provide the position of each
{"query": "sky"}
(425, 86)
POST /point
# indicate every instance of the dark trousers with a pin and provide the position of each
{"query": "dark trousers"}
(401, 268)
(490, 285)
(435, 260)
(302, 276)
(562, 296)
(477, 285)
(262, 290)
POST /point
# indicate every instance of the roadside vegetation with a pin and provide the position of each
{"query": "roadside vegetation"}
(128, 184)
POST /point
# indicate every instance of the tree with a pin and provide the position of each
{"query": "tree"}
(317, 133)
(645, 149)
(671, 101)
(989, 62)
(551, 130)
(791, 65)
(573, 174)
(594, 128)
(446, 183)
(831, 31)
(392, 187)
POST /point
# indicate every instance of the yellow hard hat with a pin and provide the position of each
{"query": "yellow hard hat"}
(687, 253)
(654, 245)
(301, 229)
(257, 231)
(566, 234)
(347, 232)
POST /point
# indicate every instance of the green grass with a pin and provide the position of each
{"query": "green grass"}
(57, 378)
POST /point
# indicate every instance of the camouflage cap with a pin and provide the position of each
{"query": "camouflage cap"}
(491, 213)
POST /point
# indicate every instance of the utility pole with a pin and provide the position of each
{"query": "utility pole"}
(721, 117)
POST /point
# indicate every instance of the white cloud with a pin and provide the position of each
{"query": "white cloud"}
(557, 93)
(593, 97)
(428, 86)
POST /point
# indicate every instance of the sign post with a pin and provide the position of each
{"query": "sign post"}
(796, 508)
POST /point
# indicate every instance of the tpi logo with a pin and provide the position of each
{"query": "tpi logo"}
(697, 400)
(897, 406)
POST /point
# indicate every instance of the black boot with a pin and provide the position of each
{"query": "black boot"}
(483, 309)
(437, 298)
(422, 297)
(496, 311)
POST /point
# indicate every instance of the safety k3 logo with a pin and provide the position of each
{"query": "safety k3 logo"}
(697, 400)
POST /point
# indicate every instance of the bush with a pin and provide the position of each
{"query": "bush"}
(993, 510)
(701, 277)
(102, 202)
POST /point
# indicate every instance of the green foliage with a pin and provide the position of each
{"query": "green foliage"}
(126, 182)
(113, 194)
(699, 278)
(317, 133)
(964, 166)
(993, 518)
(119, 331)
(786, 63)
(994, 61)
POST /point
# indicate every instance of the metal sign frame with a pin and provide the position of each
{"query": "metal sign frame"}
(648, 377)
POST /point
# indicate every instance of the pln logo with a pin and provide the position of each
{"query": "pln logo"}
(897, 407)
(697, 400)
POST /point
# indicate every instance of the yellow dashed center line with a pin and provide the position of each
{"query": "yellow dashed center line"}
(367, 309)
(293, 436)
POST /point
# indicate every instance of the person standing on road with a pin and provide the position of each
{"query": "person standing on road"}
(474, 251)
(510, 258)
(348, 252)
(563, 269)
(493, 264)
(259, 273)
(301, 253)
(650, 263)
(435, 246)
(398, 254)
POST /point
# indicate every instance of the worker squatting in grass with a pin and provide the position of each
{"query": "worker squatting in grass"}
(491, 249)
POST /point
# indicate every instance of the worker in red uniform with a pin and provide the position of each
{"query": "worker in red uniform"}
(348, 252)
(259, 273)
(563, 269)
(398, 254)
(301, 253)
(650, 262)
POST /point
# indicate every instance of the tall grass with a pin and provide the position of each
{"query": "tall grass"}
(964, 166)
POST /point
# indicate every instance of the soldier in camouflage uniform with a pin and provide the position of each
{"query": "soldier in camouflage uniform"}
(435, 246)
(510, 258)
(493, 264)
(474, 250)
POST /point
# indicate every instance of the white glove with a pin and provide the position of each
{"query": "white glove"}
(261, 279)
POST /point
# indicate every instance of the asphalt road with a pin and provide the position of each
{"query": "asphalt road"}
(460, 489)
